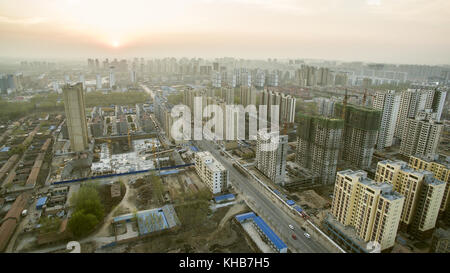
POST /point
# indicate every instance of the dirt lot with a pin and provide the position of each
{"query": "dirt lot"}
(195, 179)
(312, 199)
(206, 237)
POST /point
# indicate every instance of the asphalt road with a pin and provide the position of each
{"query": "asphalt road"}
(278, 219)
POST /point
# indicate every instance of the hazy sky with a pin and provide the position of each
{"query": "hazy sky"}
(394, 31)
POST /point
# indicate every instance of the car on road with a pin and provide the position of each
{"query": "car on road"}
(307, 235)
(294, 237)
(291, 227)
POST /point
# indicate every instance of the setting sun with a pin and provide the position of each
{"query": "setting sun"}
(115, 44)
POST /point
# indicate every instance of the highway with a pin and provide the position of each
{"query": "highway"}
(278, 219)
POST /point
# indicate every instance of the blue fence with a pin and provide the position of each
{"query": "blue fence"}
(120, 174)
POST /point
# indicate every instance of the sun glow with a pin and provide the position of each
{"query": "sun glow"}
(115, 44)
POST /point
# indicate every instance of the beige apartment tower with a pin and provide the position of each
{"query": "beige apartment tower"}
(372, 209)
(423, 195)
(76, 116)
(441, 170)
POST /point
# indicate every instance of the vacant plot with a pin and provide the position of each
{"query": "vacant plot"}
(196, 180)
(193, 236)
(312, 199)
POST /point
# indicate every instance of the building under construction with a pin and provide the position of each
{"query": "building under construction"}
(361, 126)
(74, 106)
(319, 140)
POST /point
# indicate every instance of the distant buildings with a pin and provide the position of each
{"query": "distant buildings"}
(228, 95)
(271, 152)
(74, 106)
(112, 77)
(388, 102)
(361, 125)
(216, 79)
(212, 172)
(319, 141)
(423, 195)
(286, 104)
(247, 96)
(371, 209)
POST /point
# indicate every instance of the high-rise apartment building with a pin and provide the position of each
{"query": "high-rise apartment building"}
(388, 102)
(245, 79)
(247, 96)
(286, 104)
(420, 137)
(98, 81)
(228, 95)
(260, 79)
(423, 195)
(271, 152)
(216, 79)
(361, 125)
(112, 78)
(372, 209)
(440, 167)
(272, 79)
(74, 106)
(411, 102)
(319, 140)
(212, 172)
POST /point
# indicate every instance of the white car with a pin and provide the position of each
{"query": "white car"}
(291, 227)
(307, 235)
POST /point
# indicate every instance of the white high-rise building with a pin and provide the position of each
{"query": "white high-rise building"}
(133, 76)
(388, 102)
(216, 79)
(411, 102)
(272, 79)
(99, 81)
(286, 104)
(246, 79)
(260, 79)
(212, 172)
(420, 137)
(271, 155)
(112, 78)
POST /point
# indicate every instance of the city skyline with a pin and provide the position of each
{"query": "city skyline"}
(357, 30)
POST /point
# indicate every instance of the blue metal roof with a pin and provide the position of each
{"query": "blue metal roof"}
(245, 216)
(229, 196)
(151, 221)
(276, 192)
(5, 149)
(298, 208)
(290, 202)
(279, 244)
(41, 201)
(169, 172)
(194, 149)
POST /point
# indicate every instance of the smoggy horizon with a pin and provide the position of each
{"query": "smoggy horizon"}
(402, 32)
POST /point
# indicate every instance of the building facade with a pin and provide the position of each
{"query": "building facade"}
(271, 152)
(372, 209)
(319, 140)
(74, 106)
(212, 173)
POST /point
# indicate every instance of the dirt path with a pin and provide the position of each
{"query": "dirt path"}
(232, 211)
(124, 204)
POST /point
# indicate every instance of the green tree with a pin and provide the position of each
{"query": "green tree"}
(82, 223)
(87, 199)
